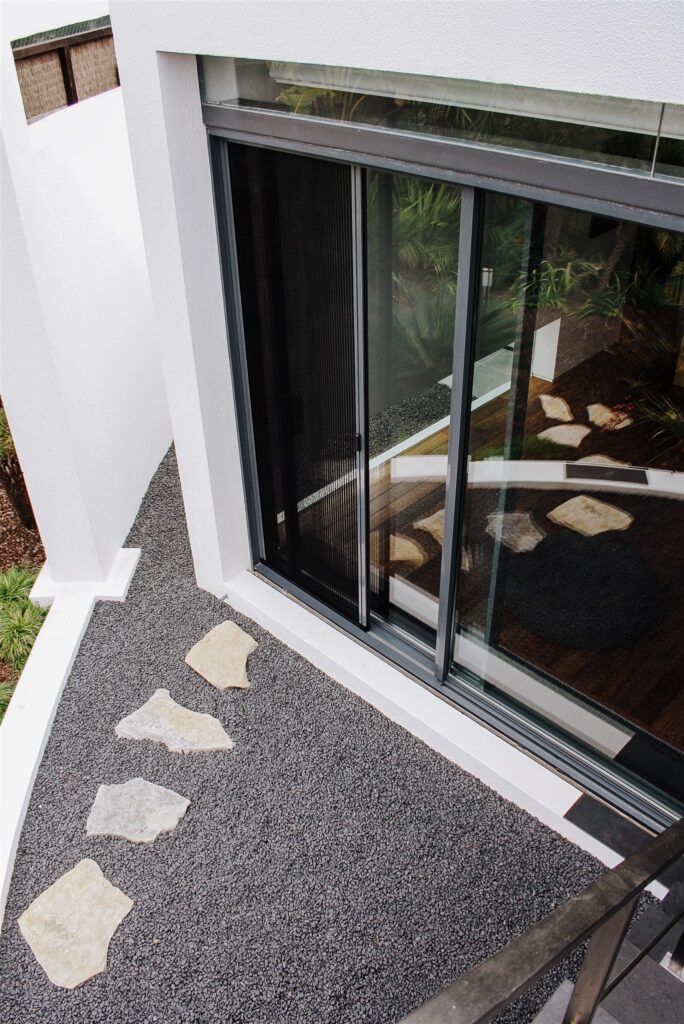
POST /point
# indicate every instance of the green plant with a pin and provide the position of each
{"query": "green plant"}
(607, 300)
(7, 449)
(550, 286)
(16, 583)
(648, 354)
(424, 225)
(19, 627)
(6, 691)
(665, 417)
(534, 449)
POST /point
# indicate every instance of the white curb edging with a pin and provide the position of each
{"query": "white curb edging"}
(26, 726)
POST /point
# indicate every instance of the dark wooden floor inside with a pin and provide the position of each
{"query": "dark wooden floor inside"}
(643, 681)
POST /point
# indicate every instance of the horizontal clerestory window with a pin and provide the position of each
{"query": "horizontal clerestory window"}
(639, 136)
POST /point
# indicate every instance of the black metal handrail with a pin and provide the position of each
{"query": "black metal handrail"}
(601, 912)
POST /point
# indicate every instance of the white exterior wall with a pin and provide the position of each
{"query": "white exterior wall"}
(81, 373)
(628, 48)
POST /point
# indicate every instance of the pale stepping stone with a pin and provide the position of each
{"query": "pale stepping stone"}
(602, 460)
(70, 925)
(161, 720)
(136, 810)
(403, 549)
(516, 530)
(556, 408)
(570, 434)
(607, 418)
(220, 657)
(589, 516)
(434, 525)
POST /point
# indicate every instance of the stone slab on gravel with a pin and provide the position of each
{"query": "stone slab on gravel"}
(404, 549)
(602, 460)
(161, 720)
(333, 870)
(136, 810)
(516, 530)
(556, 408)
(70, 925)
(434, 525)
(607, 418)
(220, 657)
(570, 434)
(589, 516)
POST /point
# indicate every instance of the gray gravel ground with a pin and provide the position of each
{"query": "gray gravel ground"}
(331, 869)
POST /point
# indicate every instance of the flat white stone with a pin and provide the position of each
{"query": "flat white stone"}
(403, 549)
(434, 525)
(70, 925)
(516, 530)
(570, 434)
(607, 418)
(589, 516)
(136, 810)
(602, 460)
(220, 657)
(556, 408)
(161, 720)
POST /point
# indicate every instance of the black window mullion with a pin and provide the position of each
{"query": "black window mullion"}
(358, 185)
(467, 291)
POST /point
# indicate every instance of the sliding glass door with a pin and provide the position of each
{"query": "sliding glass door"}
(463, 434)
(412, 260)
(293, 235)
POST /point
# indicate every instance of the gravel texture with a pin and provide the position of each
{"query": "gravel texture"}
(331, 869)
(408, 417)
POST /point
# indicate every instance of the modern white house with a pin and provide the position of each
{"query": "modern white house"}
(403, 283)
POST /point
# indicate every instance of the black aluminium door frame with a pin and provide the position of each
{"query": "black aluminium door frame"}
(431, 670)
(465, 306)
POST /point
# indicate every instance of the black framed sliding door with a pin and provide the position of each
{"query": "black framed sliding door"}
(293, 222)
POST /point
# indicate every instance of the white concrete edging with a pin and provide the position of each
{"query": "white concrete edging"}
(26, 726)
(507, 770)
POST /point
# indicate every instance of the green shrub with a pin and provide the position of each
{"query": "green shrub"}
(535, 449)
(16, 583)
(20, 623)
(6, 691)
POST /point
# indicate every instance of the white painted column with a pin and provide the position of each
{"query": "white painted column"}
(31, 395)
(171, 164)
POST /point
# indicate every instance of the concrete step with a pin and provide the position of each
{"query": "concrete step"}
(649, 995)
(552, 1012)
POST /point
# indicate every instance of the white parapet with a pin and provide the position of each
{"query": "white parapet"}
(26, 726)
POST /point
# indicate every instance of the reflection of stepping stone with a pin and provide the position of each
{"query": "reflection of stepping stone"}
(70, 925)
(607, 418)
(137, 810)
(434, 525)
(556, 408)
(602, 460)
(589, 516)
(221, 656)
(570, 434)
(516, 530)
(403, 549)
(161, 720)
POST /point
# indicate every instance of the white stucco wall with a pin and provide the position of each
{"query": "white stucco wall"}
(630, 48)
(627, 48)
(81, 372)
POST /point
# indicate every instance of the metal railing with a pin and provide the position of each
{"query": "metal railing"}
(602, 913)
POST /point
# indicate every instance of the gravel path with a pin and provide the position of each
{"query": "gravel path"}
(331, 869)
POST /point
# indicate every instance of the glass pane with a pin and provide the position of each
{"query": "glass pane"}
(412, 255)
(293, 224)
(600, 129)
(670, 151)
(571, 593)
